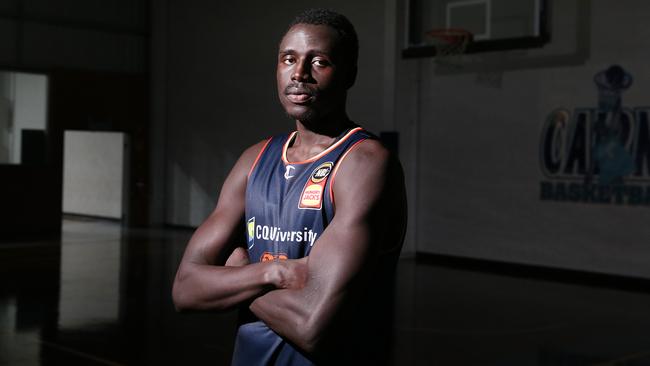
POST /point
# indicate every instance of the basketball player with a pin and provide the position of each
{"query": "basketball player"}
(325, 216)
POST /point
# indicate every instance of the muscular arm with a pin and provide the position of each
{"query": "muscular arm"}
(212, 274)
(367, 186)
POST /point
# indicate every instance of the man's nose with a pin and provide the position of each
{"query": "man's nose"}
(302, 71)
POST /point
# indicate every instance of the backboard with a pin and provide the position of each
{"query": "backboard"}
(494, 24)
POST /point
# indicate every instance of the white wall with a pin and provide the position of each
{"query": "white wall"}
(93, 173)
(478, 175)
(23, 106)
(6, 121)
(29, 109)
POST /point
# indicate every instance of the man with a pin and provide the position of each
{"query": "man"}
(325, 219)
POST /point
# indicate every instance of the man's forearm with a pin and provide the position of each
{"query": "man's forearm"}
(209, 287)
(290, 314)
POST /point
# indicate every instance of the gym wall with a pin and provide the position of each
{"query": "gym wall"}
(483, 188)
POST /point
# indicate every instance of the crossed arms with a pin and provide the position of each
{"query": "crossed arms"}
(298, 298)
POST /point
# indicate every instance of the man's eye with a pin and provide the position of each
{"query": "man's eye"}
(320, 63)
(288, 60)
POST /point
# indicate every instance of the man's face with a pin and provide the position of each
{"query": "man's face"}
(312, 74)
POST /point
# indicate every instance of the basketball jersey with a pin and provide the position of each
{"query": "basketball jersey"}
(288, 205)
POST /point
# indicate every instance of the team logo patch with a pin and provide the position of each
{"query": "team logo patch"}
(251, 232)
(312, 194)
(321, 172)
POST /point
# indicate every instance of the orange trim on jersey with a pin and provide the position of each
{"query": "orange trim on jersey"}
(321, 154)
(336, 169)
(259, 155)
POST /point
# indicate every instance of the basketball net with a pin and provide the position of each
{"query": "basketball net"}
(450, 45)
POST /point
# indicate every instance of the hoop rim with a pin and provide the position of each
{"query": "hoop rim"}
(451, 35)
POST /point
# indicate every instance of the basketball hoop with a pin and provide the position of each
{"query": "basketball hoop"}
(449, 43)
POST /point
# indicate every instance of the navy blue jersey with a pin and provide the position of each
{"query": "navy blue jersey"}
(288, 205)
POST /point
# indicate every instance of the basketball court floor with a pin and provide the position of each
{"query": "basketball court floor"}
(101, 296)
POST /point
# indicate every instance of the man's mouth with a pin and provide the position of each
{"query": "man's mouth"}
(298, 94)
(299, 98)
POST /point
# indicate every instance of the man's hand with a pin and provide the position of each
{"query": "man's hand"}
(284, 273)
(238, 258)
(291, 273)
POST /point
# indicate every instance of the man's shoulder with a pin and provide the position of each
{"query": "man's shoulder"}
(369, 161)
(369, 152)
(369, 164)
(249, 156)
(257, 148)
(250, 153)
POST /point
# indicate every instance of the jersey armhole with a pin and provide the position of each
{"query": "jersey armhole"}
(336, 169)
(259, 155)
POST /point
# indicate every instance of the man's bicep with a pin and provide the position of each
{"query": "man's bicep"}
(351, 242)
(338, 258)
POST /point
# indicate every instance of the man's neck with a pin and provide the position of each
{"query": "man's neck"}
(311, 134)
(310, 140)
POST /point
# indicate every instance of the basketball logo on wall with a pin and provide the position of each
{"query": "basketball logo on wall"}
(598, 155)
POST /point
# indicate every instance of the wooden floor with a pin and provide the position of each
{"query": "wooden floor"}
(101, 296)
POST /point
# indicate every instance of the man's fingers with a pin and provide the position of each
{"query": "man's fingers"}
(238, 257)
(293, 273)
